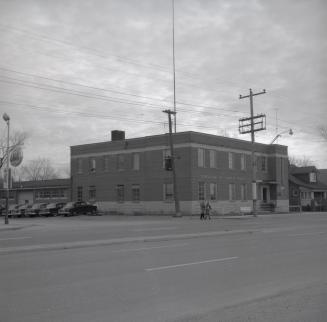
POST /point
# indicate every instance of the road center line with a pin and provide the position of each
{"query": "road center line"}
(147, 248)
(189, 264)
(13, 238)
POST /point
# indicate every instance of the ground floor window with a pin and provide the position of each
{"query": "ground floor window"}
(244, 196)
(120, 193)
(168, 191)
(136, 192)
(79, 193)
(92, 193)
(213, 191)
(201, 190)
(232, 191)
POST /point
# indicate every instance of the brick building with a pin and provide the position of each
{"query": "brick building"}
(129, 176)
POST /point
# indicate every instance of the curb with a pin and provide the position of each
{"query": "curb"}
(113, 241)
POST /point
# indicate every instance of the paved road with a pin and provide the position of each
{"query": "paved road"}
(269, 269)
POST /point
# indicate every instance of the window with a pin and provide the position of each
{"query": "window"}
(92, 164)
(213, 191)
(232, 191)
(79, 193)
(313, 177)
(92, 192)
(243, 165)
(201, 191)
(79, 166)
(136, 192)
(230, 160)
(105, 163)
(201, 158)
(120, 193)
(168, 192)
(212, 158)
(136, 161)
(243, 192)
(263, 164)
(166, 154)
(120, 161)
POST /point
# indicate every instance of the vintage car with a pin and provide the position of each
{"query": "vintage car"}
(78, 208)
(51, 209)
(35, 209)
(21, 210)
(12, 210)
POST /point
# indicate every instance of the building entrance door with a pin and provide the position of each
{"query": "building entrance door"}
(265, 194)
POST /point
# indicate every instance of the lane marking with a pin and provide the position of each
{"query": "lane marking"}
(13, 238)
(147, 248)
(308, 234)
(154, 229)
(189, 264)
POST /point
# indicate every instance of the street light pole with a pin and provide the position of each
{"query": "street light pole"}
(6, 118)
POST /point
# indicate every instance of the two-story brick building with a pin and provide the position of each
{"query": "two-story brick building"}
(129, 176)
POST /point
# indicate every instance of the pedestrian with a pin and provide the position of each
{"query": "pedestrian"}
(207, 210)
(203, 208)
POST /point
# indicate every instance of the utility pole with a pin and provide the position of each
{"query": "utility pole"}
(253, 128)
(173, 158)
(174, 73)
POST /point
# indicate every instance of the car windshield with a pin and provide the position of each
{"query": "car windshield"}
(69, 204)
(51, 205)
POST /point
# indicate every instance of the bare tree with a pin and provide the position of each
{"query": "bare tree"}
(303, 161)
(38, 169)
(17, 139)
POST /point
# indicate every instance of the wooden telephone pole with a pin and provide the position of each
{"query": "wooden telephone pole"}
(256, 123)
(173, 168)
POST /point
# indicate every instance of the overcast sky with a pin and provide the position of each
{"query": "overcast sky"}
(71, 71)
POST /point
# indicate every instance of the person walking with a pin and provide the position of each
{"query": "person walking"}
(203, 209)
(207, 210)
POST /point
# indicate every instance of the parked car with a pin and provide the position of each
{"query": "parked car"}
(78, 208)
(35, 209)
(22, 209)
(51, 209)
(12, 210)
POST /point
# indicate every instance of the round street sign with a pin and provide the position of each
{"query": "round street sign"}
(16, 157)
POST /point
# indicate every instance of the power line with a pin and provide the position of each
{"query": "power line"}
(58, 89)
(87, 114)
(115, 91)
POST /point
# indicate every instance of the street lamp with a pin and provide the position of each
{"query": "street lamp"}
(6, 118)
(290, 132)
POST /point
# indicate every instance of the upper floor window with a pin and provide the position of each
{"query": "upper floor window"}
(79, 165)
(263, 163)
(243, 165)
(201, 158)
(92, 164)
(165, 155)
(120, 161)
(106, 163)
(230, 160)
(136, 161)
(313, 177)
(212, 155)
